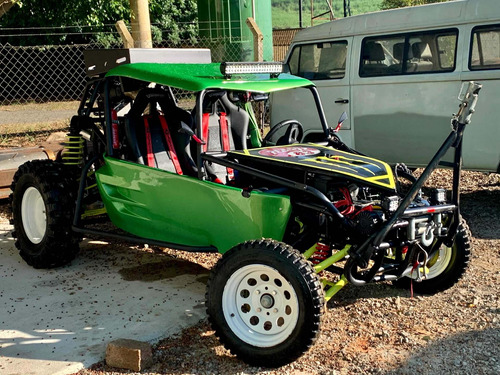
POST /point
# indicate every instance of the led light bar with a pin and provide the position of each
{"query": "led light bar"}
(230, 68)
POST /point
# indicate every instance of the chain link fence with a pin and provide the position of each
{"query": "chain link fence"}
(57, 72)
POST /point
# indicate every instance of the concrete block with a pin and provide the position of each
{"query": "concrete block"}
(129, 354)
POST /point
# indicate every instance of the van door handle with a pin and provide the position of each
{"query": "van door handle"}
(342, 101)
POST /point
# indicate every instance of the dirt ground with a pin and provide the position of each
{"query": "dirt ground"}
(378, 329)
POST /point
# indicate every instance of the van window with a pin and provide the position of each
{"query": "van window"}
(485, 52)
(326, 60)
(429, 52)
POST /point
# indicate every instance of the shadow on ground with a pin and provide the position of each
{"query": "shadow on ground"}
(480, 209)
(473, 352)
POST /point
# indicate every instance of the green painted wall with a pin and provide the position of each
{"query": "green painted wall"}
(223, 28)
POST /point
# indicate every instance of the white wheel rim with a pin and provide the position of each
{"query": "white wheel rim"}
(33, 215)
(440, 265)
(260, 306)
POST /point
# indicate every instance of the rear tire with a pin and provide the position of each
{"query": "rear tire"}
(447, 267)
(265, 303)
(43, 203)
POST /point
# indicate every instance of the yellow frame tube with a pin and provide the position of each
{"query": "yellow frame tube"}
(339, 255)
(334, 287)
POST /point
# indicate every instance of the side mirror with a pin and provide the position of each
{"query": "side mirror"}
(342, 118)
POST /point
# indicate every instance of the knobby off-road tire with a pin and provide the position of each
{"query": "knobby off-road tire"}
(447, 267)
(265, 303)
(43, 203)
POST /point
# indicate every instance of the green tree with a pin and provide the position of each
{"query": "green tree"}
(93, 20)
(390, 4)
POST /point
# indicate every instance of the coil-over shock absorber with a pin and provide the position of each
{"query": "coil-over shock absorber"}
(73, 152)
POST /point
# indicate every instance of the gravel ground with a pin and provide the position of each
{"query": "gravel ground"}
(379, 329)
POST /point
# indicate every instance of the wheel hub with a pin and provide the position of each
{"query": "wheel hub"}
(33, 215)
(260, 305)
(267, 301)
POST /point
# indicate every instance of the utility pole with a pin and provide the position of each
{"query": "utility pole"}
(347, 8)
(141, 25)
(301, 25)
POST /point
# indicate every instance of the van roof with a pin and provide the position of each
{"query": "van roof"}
(447, 14)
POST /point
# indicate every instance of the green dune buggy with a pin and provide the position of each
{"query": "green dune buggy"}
(283, 209)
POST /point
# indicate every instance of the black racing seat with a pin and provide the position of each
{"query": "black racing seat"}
(157, 138)
(220, 115)
(224, 127)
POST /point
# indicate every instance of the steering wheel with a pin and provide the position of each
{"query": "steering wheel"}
(293, 133)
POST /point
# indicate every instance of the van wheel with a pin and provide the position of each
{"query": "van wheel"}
(43, 203)
(265, 302)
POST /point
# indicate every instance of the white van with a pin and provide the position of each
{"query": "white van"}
(397, 74)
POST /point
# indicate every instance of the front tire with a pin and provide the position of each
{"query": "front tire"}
(265, 303)
(447, 267)
(43, 203)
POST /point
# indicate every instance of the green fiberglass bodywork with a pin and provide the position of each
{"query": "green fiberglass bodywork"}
(160, 205)
(175, 155)
(198, 77)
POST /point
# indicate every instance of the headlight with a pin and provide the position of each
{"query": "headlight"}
(437, 196)
(390, 204)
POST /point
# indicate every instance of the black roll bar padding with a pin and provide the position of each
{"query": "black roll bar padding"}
(218, 158)
(199, 130)
(107, 119)
(455, 192)
(321, 112)
(81, 188)
(96, 83)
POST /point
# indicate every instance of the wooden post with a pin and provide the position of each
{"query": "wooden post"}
(5, 5)
(128, 41)
(258, 55)
(258, 40)
(141, 25)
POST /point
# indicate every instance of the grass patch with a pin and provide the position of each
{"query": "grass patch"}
(285, 13)
(28, 135)
(49, 106)
(7, 130)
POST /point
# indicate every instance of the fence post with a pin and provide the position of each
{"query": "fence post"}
(128, 41)
(258, 39)
(5, 5)
(258, 55)
(141, 25)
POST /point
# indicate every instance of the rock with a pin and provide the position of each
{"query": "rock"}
(398, 303)
(129, 354)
